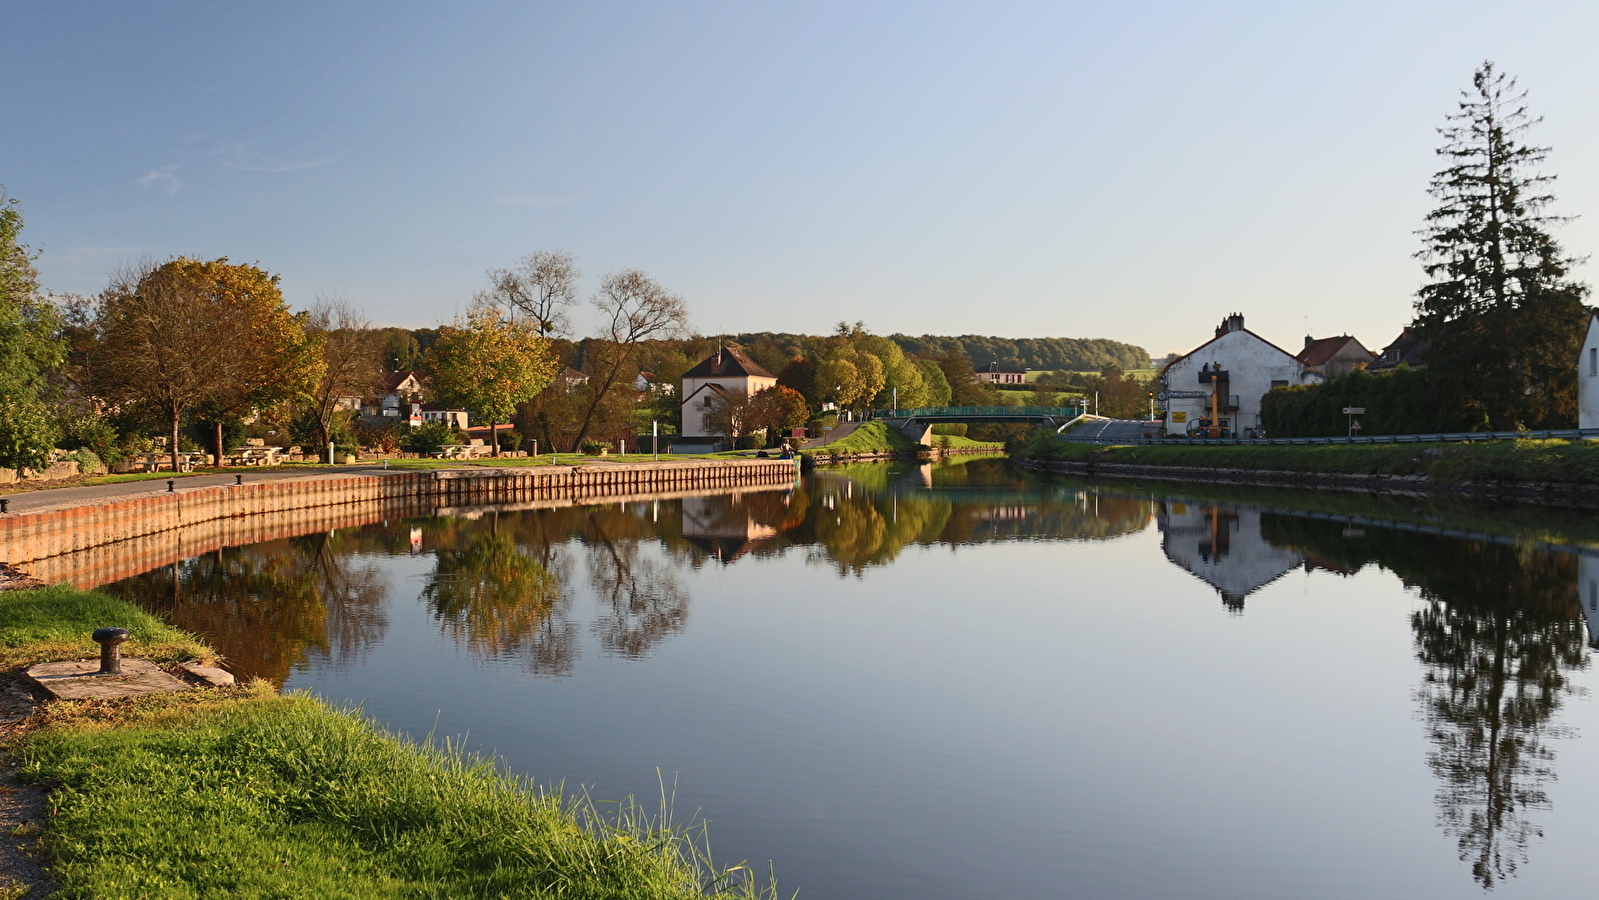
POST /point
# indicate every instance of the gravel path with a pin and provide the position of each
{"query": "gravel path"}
(22, 808)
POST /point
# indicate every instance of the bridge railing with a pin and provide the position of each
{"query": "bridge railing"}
(1434, 438)
(922, 412)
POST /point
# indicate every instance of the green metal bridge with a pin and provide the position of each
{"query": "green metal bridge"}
(1054, 415)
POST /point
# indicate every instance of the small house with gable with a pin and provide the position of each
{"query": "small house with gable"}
(1229, 374)
(725, 373)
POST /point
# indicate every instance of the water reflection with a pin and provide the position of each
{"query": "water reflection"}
(1496, 627)
(1223, 547)
(1498, 637)
(272, 607)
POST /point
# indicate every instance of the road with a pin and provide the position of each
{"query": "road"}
(1109, 429)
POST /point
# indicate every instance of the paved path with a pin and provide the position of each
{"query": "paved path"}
(1109, 429)
(839, 432)
(61, 498)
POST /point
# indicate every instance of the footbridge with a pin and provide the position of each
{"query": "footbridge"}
(918, 423)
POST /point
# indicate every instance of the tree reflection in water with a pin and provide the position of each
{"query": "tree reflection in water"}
(497, 600)
(273, 607)
(1498, 635)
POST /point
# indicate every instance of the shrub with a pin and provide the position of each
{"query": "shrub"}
(90, 431)
(592, 447)
(431, 438)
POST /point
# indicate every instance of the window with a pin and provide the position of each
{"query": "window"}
(1279, 382)
(1593, 360)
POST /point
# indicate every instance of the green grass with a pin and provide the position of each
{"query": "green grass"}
(1497, 462)
(242, 794)
(54, 623)
(870, 437)
(962, 442)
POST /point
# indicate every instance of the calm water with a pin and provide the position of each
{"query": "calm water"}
(970, 682)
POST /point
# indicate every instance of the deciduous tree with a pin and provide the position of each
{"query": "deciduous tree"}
(489, 363)
(1503, 315)
(189, 332)
(28, 350)
(352, 357)
(541, 286)
(633, 307)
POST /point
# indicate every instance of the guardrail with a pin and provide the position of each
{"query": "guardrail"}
(921, 412)
(1445, 437)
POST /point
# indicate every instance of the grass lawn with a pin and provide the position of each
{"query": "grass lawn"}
(870, 437)
(54, 623)
(238, 792)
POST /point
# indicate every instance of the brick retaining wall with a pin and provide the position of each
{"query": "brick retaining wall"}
(116, 537)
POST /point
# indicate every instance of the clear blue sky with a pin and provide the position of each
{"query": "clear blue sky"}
(1132, 171)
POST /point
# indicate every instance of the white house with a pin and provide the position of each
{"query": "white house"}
(1233, 370)
(1588, 376)
(724, 373)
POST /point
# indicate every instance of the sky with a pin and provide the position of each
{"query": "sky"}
(1132, 171)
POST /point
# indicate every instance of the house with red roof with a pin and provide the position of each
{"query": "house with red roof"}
(1334, 356)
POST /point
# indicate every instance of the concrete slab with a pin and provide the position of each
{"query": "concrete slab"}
(75, 680)
(209, 674)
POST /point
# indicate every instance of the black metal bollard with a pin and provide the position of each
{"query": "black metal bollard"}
(3, 504)
(170, 487)
(110, 641)
(238, 479)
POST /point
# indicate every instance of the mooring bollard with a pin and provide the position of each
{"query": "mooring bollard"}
(170, 486)
(238, 479)
(110, 641)
(3, 504)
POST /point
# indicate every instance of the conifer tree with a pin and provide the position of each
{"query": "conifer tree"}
(1501, 311)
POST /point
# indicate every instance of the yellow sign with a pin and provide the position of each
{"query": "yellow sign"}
(1179, 416)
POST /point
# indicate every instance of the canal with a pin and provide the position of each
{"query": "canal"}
(968, 680)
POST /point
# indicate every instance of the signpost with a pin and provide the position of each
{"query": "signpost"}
(1351, 412)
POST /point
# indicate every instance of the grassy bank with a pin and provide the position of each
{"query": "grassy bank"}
(1498, 462)
(878, 437)
(241, 793)
(870, 437)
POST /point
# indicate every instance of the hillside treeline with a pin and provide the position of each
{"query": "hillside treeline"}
(1077, 354)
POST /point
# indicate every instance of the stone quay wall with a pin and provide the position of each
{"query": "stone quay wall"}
(104, 540)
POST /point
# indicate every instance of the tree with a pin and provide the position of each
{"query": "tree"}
(189, 332)
(778, 409)
(489, 364)
(731, 415)
(28, 350)
(352, 359)
(1504, 318)
(633, 307)
(540, 286)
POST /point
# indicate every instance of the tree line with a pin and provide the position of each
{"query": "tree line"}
(1074, 354)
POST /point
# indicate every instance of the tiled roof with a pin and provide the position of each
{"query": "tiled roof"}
(1320, 352)
(728, 362)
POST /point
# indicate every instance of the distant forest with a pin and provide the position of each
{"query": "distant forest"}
(1077, 354)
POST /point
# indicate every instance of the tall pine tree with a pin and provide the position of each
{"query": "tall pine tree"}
(1504, 317)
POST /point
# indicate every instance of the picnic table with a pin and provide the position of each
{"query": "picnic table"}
(152, 462)
(254, 456)
(463, 451)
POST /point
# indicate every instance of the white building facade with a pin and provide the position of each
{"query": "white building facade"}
(1236, 367)
(725, 373)
(1588, 377)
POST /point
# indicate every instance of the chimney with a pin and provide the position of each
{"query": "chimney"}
(1235, 322)
(1309, 340)
(716, 362)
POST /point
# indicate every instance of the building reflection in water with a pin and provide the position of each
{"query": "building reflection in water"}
(1223, 547)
